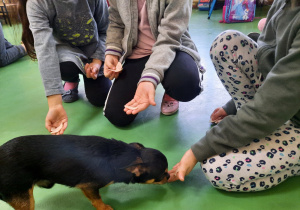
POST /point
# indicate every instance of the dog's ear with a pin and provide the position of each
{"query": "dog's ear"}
(137, 145)
(137, 167)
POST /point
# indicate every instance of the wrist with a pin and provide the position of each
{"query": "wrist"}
(54, 100)
(192, 157)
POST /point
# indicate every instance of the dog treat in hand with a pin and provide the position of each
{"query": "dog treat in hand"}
(215, 121)
(130, 107)
(56, 130)
(118, 68)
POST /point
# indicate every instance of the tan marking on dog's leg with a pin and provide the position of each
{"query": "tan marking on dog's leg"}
(31, 198)
(93, 195)
(24, 201)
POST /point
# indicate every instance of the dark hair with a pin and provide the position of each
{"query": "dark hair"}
(27, 37)
(295, 3)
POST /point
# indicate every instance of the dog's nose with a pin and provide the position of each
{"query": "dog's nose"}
(168, 176)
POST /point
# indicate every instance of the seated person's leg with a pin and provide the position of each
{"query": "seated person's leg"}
(8, 52)
(234, 57)
(264, 163)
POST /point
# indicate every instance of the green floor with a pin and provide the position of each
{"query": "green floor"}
(23, 108)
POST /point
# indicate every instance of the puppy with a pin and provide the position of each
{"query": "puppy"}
(85, 162)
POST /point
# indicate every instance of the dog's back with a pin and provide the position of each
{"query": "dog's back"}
(67, 160)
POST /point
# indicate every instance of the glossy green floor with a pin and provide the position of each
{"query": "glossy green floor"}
(23, 108)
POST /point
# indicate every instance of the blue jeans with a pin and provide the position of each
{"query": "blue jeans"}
(8, 52)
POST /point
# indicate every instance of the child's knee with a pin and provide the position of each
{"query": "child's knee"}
(118, 117)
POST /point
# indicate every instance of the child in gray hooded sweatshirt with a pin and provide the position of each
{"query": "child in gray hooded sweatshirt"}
(68, 39)
(257, 143)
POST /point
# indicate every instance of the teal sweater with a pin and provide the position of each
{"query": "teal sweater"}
(277, 100)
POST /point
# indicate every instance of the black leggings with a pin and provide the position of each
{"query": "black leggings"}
(181, 82)
(96, 90)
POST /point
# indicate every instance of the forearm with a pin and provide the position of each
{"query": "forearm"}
(115, 31)
(168, 41)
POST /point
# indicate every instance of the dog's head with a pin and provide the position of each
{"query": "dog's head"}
(150, 168)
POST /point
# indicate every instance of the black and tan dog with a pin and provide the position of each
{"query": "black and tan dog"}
(85, 162)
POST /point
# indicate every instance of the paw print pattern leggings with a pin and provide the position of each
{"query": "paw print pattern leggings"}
(266, 162)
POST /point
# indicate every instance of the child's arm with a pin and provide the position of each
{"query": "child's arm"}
(115, 31)
(101, 18)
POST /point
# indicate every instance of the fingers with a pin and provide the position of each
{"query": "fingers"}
(48, 126)
(62, 130)
(174, 168)
(91, 71)
(134, 107)
(87, 71)
(217, 115)
(173, 177)
(94, 72)
(110, 74)
(58, 129)
(109, 64)
(214, 115)
(152, 99)
(178, 172)
(181, 176)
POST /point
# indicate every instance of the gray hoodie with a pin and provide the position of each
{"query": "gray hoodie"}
(277, 100)
(168, 21)
(66, 30)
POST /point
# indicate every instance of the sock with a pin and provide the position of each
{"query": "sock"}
(70, 85)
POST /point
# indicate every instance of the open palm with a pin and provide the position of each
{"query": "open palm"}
(144, 96)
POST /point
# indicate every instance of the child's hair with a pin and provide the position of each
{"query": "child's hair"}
(27, 37)
(295, 3)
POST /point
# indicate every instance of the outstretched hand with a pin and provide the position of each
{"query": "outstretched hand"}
(218, 115)
(144, 96)
(56, 119)
(184, 167)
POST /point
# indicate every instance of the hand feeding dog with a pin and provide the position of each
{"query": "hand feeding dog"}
(86, 162)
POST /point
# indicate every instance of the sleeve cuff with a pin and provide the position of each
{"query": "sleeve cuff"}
(54, 92)
(202, 151)
(230, 108)
(150, 78)
(113, 51)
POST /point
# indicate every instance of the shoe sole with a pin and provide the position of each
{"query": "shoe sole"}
(70, 100)
(171, 113)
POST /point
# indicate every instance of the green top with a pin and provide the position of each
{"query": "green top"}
(277, 100)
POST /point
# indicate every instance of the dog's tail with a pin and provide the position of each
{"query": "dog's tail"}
(45, 184)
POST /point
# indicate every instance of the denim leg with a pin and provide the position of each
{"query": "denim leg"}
(10, 54)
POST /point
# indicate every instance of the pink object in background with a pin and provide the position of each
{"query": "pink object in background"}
(261, 24)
